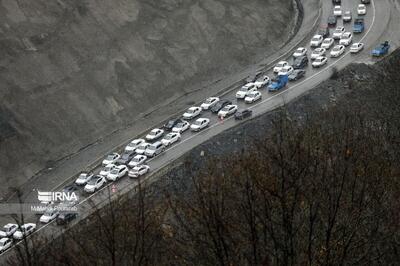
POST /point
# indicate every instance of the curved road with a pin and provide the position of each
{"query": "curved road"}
(382, 21)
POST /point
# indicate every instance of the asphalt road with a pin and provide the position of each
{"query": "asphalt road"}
(379, 25)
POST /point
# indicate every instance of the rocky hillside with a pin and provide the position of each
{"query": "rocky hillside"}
(73, 71)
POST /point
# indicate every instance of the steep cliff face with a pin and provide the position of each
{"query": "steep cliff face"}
(72, 71)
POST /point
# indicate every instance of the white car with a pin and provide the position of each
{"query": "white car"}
(316, 40)
(106, 170)
(361, 9)
(24, 230)
(155, 134)
(327, 43)
(142, 148)
(228, 110)
(111, 158)
(261, 83)
(83, 178)
(137, 160)
(8, 230)
(279, 66)
(5, 243)
(49, 215)
(181, 127)
(210, 102)
(356, 47)
(319, 61)
(192, 112)
(287, 70)
(252, 97)
(338, 32)
(244, 90)
(338, 50)
(171, 138)
(346, 38)
(96, 183)
(117, 172)
(337, 11)
(139, 170)
(199, 124)
(318, 52)
(301, 51)
(134, 144)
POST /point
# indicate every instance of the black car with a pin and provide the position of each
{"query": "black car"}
(242, 114)
(126, 157)
(365, 1)
(324, 31)
(253, 77)
(336, 1)
(332, 20)
(70, 188)
(172, 123)
(297, 74)
(300, 62)
(64, 218)
(221, 104)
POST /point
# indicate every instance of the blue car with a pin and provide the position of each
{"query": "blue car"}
(382, 49)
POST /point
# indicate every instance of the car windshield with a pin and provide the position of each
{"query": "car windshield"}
(153, 133)
(346, 35)
(114, 171)
(361, 7)
(143, 146)
(82, 176)
(336, 49)
(151, 148)
(327, 41)
(299, 50)
(244, 88)
(191, 111)
(110, 157)
(180, 125)
(280, 64)
(48, 213)
(108, 168)
(253, 94)
(319, 59)
(315, 39)
(225, 109)
(337, 8)
(198, 122)
(209, 100)
(317, 51)
(168, 137)
(92, 182)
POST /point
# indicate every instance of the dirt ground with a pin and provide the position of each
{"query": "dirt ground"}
(73, 71)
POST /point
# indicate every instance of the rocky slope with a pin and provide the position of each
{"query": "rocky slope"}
(73, 71)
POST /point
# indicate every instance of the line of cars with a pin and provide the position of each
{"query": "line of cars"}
(132, 160)
(12, 231)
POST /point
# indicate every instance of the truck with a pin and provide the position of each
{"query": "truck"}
(278, 83)
(382, 49)
(358, 26)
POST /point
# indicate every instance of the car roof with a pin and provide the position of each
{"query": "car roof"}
(4, 239)
(9, 225)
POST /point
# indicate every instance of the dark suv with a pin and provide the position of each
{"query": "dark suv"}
(65, 218)
(172, 123)
(221, 104)
(300, 62)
